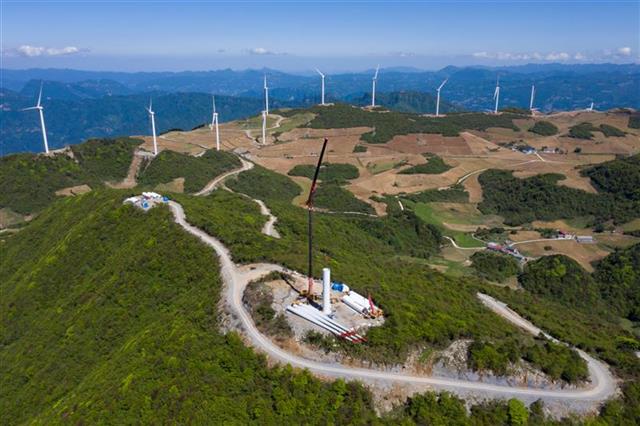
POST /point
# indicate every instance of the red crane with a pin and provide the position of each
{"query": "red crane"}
(310, 211)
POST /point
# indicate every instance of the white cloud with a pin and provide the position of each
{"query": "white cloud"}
(624, 51)
(557, 56)
(261, 51)
(36, 51)
(529, 56)
(402, 54)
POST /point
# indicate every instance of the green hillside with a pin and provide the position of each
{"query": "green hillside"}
(110, 313)
(197, 171)
(368, 255)
(29, 181)
(540, 197)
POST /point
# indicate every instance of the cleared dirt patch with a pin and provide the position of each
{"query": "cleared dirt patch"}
(436, 144)
(9, 218)
(473, 187)
(73, 190)
(584, 254)
(176, 185)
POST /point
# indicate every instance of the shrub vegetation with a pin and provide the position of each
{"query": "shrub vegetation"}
(544, 128)
(196, 171)
(541, 198)
(494, 266)
(388, 124)
(609, 131)
(328, 172)
(434, 166)
(29, 181)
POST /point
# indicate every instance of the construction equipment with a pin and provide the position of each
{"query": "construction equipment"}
(309, 205)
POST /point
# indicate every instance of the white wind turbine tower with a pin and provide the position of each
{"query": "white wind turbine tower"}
(264, 127)
(373, 91)
(322, 87)
(214, 124)
(266, 96)
(438, 96)
(41, 111)
(152, 116)
(496, 95)
(533, 93)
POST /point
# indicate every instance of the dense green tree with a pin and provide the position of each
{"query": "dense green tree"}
(544, 128)
(197, 171)
(494, 266)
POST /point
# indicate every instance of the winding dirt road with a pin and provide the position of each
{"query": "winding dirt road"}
(269, 226)
(236, 277)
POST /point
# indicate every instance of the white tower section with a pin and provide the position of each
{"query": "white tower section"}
(321, 87)
(438, 97)
(533, 93)
(264, 127)
(214, 124)
(496, 96)
(266, 96)
(326, 291)
(373, 88)
(152, 116)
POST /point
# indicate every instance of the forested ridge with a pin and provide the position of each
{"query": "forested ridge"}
(29, 181)
(196, 171)
(541, 198)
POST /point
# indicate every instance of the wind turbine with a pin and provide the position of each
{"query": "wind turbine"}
(41, 111)
(373, 91)
(266, 95)
(214, 124)
(322, 87)
(264, 127)
(533, 93)
(496, 95)
(438, 97)
(152, 116)
(588, 109)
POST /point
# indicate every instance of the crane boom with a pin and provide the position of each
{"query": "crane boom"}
(310, 212)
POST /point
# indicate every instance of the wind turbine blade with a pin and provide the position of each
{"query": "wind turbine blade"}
(443, 83)
(40, 94)
(150, 106)
(214, 104)
(30, 108)
(322, 75)
(375, 77)
(495, 94)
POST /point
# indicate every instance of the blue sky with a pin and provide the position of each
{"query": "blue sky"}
(297, 36)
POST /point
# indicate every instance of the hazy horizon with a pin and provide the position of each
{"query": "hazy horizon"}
(337, 37)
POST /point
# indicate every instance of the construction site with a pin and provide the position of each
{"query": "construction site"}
(326, 306)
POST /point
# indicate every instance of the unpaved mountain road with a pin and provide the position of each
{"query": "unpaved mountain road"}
(269, 226)
(235, 279)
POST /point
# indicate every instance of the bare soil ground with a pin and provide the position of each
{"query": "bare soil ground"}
(473, 187)
(9, 218)
(437, 144)
(73, 190)
(176, 185)
(584, 254)
(130, 180)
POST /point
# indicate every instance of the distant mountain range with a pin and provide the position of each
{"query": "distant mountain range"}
(83, 104)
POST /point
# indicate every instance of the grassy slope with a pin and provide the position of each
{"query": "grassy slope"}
(29, 181)
(110, 313)
(197, 171)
